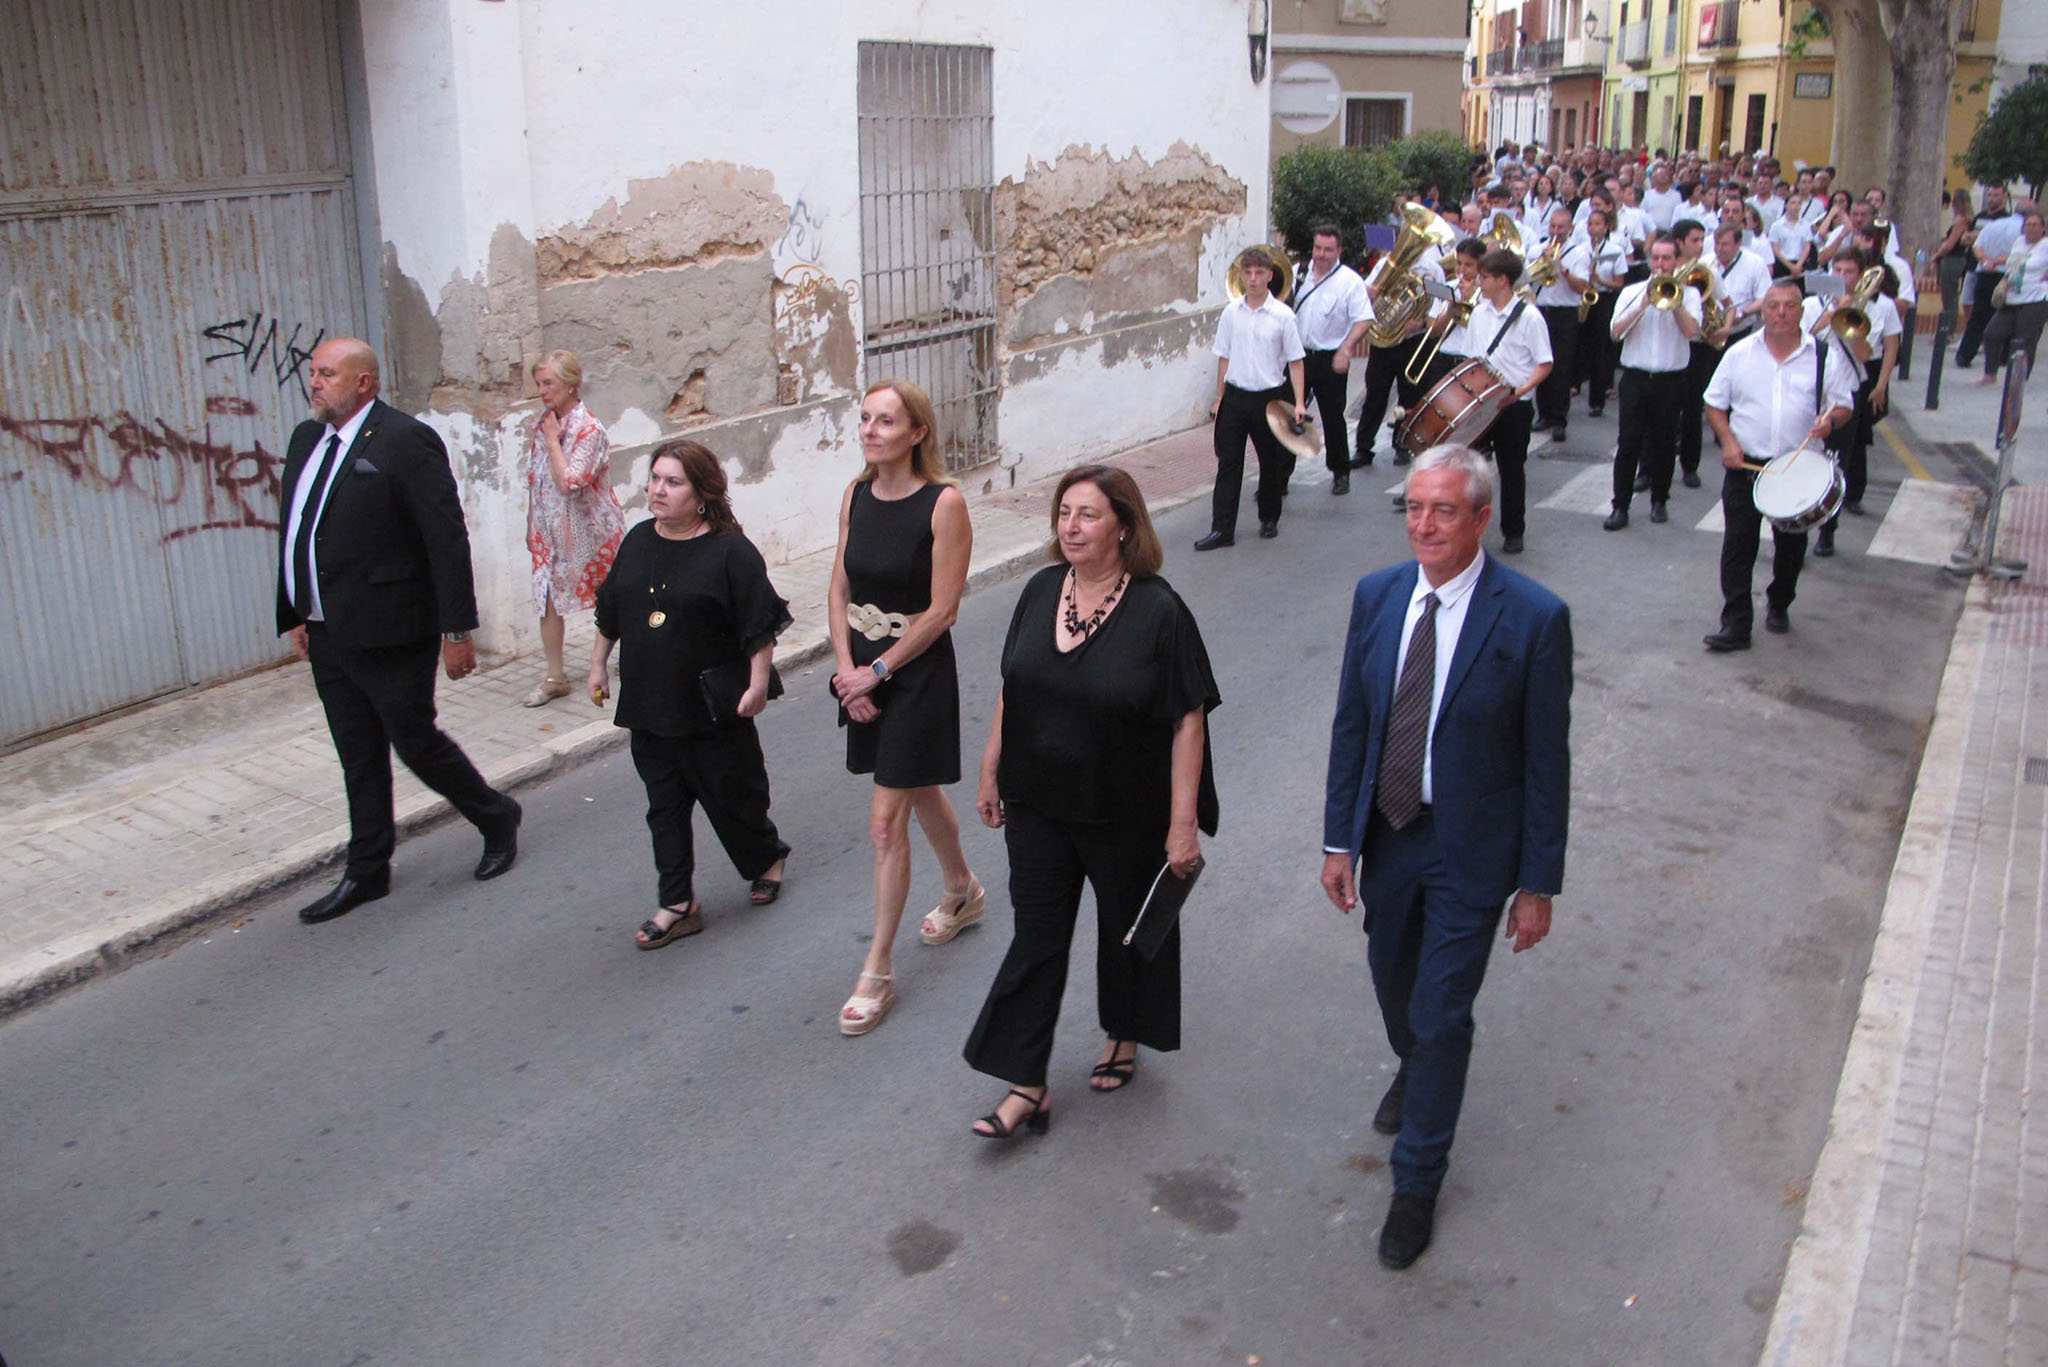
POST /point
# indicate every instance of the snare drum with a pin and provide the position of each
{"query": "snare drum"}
(1800, 490)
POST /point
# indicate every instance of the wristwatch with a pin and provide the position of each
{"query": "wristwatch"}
(455, 638)
(881, 668)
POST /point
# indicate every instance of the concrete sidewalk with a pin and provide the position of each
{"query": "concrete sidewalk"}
(1925, 1237)
(121, 833)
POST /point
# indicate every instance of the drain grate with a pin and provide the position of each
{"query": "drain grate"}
(2035, 770)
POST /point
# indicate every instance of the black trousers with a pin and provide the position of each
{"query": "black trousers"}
(1597, 350)
(1692, 415)
(1508, 442)
(1851, 445)
(1650, 404)
(2017, 327)
(1554, 395)
(724, 771)
(1742, 533)
(1977, 287)
(1383, 367)
(1135, 1000)
(1327, 388)
(380, 700)
(1242, 416)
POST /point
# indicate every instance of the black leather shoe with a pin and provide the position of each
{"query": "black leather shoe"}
(1721, 642)
(1597, 410)
(1400, 457)
(1658, 512)
(1511, 545)
(500, 849)
(1411, 1220)
(1387, 1119)
(1616, 520)
(1268, 530)
(1361, 460)
(1214, 540)
(347, 895)
(1557, 434)
(1824, 545)
(1642, 484)
(1692, 479)
(1856, 508)
(1776, 621)
(1340, 483)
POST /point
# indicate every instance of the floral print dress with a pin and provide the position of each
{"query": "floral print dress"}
(572, 535)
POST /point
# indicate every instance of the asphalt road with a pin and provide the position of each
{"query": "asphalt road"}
(471, 1124)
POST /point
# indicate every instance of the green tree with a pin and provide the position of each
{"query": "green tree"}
(1437, 157)
(2011, 141)
(1318, 183)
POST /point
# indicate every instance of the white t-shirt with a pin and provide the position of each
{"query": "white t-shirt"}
(1258, 343)
(2032, 284)
(1770, 403)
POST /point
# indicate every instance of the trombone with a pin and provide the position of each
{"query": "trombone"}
(1425, 355)
(1664, 293)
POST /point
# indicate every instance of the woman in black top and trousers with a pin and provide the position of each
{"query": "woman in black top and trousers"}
(689, 595)
(1097, 769)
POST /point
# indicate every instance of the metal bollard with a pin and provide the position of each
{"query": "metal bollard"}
(1934, 365)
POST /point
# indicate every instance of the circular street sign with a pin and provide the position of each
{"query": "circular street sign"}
(1306, 97)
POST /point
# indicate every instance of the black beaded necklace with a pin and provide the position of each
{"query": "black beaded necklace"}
(1077, 627)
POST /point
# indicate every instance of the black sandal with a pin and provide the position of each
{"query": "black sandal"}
(652, 936)
(762, 891)
(1120, 1071)
(1037, 1120)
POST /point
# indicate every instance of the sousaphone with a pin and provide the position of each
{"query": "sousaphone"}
(1283, 273)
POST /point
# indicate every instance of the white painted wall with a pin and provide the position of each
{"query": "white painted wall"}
(535, 112)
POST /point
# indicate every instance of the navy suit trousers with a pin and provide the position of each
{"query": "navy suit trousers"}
(1427, 950)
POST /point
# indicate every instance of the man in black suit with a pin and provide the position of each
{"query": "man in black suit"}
(373, 583)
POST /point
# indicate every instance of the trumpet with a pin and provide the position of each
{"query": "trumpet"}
(1850, 320)
(1664, 293)
(1425, 355)
(1398, 299)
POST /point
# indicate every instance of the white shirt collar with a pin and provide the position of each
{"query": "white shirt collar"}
(1454, 588)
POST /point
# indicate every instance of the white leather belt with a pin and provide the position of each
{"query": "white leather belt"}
(875, 624)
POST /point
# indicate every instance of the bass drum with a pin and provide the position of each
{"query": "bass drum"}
(1800, 490)
(1459, 410)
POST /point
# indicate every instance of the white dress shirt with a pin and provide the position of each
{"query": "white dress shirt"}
(1789, 238)
(1742, 284)
(1636, 225)
(1663, 207)
(1258, 343)
(1996, 238)
(1654, 343)
(1884, 322)
(1816, 209)
(1705, 217)
(1576, 259)
(1610, 262)
(1771, 209)
(1770, 403)
(1452, 601)
(1326, 309)
(303, 494)
(1524, 345)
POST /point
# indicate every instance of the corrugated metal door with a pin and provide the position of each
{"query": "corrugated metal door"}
(176, 233)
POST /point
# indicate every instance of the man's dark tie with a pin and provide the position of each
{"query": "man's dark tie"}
(1399, 795)
(302, 544)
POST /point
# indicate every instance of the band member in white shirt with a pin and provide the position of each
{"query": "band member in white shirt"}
(1453, 324)
(1258, 359)
(1332, 311)
(1654, 351)
(1774, 391)
(1558, 303)
(1386, 366)
(1740, 294)
(1510, 337)
(1609, 263)
(1870, 363)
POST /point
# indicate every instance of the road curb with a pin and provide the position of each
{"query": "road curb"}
(80, 958)
(1817, 1300)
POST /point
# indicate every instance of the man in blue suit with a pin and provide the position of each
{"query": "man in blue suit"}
(1450, 774)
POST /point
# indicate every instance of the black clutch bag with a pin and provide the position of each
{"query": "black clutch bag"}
(1161, 912)
(724, 685)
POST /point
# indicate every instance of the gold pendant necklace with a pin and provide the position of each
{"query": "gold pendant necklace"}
(656, 617)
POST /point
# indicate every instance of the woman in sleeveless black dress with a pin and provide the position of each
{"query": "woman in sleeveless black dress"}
(904, 544)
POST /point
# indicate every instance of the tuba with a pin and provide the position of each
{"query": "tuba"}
(1283, 274)
(1504, 233)
(1398, 299)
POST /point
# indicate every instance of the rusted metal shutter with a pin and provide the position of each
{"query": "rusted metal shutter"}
(176, 232)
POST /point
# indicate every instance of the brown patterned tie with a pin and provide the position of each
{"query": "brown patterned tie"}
(1399, 795)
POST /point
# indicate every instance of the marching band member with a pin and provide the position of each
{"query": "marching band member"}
(1511, 338)
(1386, 366)
(1332, 312)
(1608, 259)
(1872, 358)
(1774, 391)
(1258, 359)
(1558, 303)
(1654, 354)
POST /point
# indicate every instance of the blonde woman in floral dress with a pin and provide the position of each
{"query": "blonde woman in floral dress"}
(573, 519)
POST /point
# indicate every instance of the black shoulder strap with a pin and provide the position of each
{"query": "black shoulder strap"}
(1507, 323)
(1302, 298)
(1820, 376)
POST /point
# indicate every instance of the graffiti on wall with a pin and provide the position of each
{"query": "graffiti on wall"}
(254, 342)
(211, 485)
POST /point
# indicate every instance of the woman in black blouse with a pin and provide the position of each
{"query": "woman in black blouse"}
(1097, 768)
(689, 595)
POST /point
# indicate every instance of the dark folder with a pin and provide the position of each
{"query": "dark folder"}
(724, 685)
(1161, 912)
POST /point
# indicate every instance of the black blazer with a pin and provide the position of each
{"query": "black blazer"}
(392, 550)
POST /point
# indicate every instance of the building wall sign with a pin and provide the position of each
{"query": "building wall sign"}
(1813, 85)
(1306, 97)
(1634, 85)
(1361, 11)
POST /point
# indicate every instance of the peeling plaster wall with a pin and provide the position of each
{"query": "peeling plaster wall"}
(553, 174)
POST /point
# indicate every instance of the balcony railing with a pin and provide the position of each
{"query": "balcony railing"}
(1500, 61)
(1544, 56)
(1718, 24)
(1635, 43)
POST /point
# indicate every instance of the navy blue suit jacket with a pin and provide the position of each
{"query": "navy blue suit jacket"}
(1500, 756)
